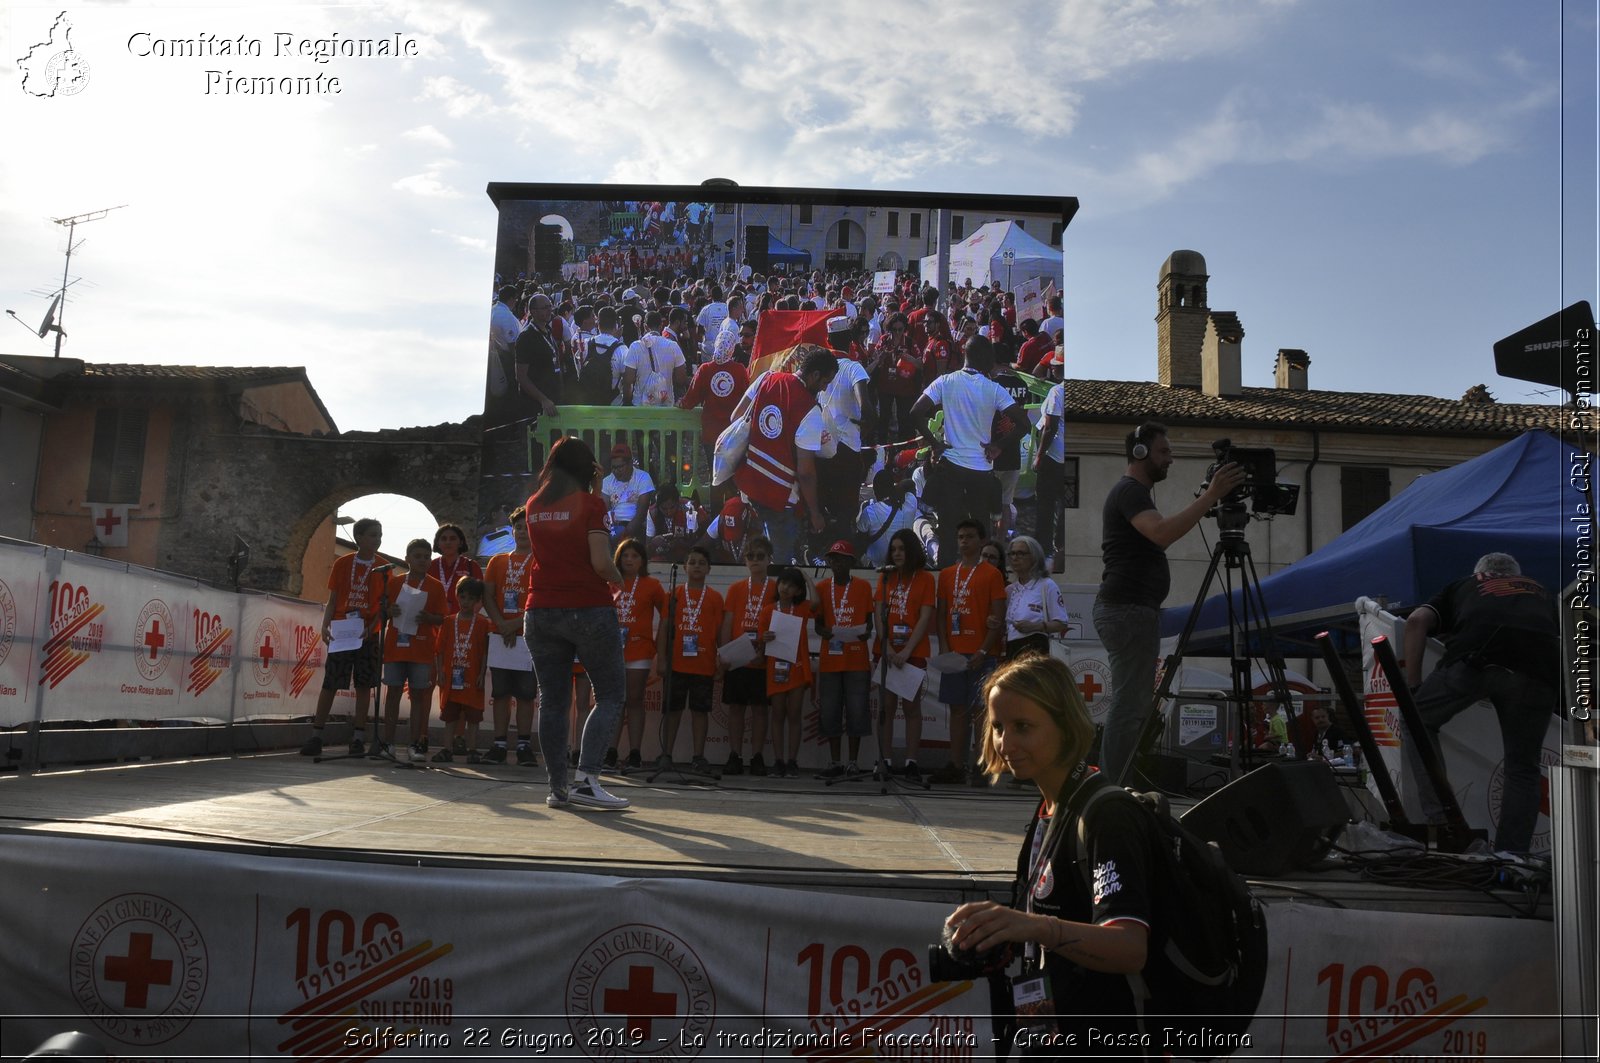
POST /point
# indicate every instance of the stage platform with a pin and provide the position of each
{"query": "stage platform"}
(945, 844)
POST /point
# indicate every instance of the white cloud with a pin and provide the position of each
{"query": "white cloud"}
(426, 184)
(429, 136)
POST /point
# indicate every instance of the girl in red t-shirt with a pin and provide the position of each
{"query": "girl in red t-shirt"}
(452, 565)
(787, 683)
(641, 602)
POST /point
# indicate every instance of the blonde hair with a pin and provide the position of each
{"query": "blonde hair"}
(1049, 684)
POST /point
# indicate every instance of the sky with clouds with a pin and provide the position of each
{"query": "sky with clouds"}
(1389, 186)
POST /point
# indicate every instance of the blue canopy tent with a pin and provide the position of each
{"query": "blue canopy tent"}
(778, 253)
(1520, 498)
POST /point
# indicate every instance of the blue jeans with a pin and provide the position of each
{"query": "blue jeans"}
(1131, 635)
(782, 526)
(1523, 707)
(554, 637)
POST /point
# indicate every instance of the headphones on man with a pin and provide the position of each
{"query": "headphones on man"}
(1140, 438)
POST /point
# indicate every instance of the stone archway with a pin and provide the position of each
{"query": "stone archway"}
(282, 486)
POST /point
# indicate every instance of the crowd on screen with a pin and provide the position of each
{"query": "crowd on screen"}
(866, 465)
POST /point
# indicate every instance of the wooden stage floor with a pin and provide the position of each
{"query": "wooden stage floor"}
(943, 844)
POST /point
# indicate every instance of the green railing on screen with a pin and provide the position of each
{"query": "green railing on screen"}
(664, 437)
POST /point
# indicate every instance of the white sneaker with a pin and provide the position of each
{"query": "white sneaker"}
(589, 793)
(557, 799)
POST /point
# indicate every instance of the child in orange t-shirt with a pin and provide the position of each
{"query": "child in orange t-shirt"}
(688, 651)
(463, 664)
(786, 682)
(639, 599)
(408, 660)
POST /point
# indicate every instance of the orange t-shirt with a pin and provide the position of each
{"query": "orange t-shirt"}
(638, 602)
(781, 675)
(967, 592)
(463, 650)
(508, 575)
(356, 588)
(697, 618)
(423, 646)
(743, 605)
(849, 608)
(906, 598)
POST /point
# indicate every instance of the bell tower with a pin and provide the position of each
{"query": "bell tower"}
(1181, 316)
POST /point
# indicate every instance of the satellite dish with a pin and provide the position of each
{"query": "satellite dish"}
(48, 325)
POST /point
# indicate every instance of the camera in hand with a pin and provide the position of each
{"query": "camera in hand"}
(949, 963)
(1261, 489)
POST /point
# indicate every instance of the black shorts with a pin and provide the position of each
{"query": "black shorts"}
(691, 690)
(364, 666)
(512, 683)
(745, 686)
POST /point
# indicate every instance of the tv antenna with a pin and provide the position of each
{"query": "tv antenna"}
(53, 315)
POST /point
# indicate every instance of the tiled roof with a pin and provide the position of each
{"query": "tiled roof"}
(244, 376)
(1131, 401)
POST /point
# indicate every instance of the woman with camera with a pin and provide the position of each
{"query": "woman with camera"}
(1082, 950)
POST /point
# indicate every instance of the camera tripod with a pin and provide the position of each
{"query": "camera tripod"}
(1246, 617)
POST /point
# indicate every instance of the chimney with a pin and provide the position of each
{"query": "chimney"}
(1290, 373)
(1219, 355)
(1180, 319)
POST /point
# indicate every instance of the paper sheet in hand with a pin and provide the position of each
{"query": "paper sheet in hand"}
(948, 662)
(515, 656)
(851, 633)
(788, 629)
(410, 601)
(347, 634)
(740, 651)
(905, 680)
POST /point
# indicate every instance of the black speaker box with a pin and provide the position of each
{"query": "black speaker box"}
(1279, 818)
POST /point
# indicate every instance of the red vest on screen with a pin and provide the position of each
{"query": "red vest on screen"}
(767, 476)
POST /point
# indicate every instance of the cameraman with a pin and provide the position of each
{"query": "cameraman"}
(1078, 950)
(1127, 611)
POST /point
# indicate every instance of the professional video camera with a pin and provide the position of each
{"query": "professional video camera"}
(947, 963)
(1267, 497)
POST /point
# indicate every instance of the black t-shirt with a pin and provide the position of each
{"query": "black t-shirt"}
(1121, 853)
(537, 352)
(1135, 568)
(1507, 621)
(1010, 456)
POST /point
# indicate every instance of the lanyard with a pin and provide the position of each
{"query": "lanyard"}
(691, 617)
(959, 597)
(753, 603)
(625, 600)
(463, 643)
(838, 602)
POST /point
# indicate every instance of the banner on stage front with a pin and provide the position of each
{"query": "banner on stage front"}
(206, 953)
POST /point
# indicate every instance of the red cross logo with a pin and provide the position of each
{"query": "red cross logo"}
(640, 1002)
(1089, 686)
(108, 523)
(137, 971)
(266, 651)
(154, 639)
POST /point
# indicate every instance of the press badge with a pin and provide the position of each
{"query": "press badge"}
(458, 677)
(955, 623)
(401, 639)
(691, 645)
(836, 645)
(780, 671)
(901, 634)
(510, 605)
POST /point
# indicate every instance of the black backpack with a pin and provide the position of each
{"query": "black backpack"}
(594, 378)
(1212, 933)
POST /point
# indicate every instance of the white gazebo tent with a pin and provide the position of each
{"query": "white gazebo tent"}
(981, 257)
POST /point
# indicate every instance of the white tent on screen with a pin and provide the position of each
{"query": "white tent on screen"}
(982, 257)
